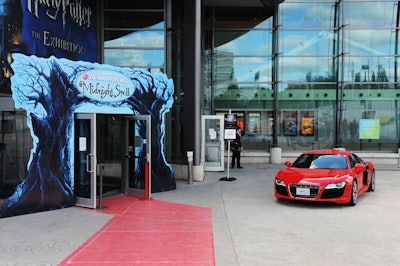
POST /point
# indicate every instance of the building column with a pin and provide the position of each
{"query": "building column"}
(192, 79)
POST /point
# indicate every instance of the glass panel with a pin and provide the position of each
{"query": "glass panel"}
(306, 15)
(83, 146)
(134, 35)
(134, 58)
(387, 126)
(109, 152)
(243, 90)
(371, 14)
(366, 99)
(307, 69)
(141, 49)
(307, 129)
(242, 69)
(212, 142)
(109, 138)
(254, 126)
(370, 69)
(310, 42)
(138, 39)
(249, 42)
(257, 131)
(370, 42)
(137, 153)
(15, 146)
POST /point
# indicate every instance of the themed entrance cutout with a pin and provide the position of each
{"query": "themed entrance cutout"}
(53, 91)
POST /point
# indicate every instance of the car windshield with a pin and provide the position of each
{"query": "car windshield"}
(324, 161)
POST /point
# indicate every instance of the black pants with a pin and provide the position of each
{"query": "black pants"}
(235, 157)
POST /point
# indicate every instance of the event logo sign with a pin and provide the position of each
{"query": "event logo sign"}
(106, 86)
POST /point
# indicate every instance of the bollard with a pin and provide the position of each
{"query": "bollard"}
(101, 168)
(190, 166)
(147, 183)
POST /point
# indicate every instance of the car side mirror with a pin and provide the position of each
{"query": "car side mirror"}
(287, 163)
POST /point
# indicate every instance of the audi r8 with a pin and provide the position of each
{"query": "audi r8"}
(336, 175)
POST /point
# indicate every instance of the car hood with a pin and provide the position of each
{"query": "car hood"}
(311, 175)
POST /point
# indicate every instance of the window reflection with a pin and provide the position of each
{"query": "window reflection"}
(370, 69)
(241, 69)
(307, 69)
(310, 42)
(249, 42)
(371, 14)
(315, 60)
(139, 49)
(306, 15)
(134, 58)
(370, 42)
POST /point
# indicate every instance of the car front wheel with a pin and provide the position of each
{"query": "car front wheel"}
(354, 194)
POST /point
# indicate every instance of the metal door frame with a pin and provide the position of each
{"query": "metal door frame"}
(140, 193)
(91, 161)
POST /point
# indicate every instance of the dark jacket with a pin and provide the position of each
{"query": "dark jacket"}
(236, 145)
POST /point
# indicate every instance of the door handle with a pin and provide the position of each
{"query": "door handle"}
(88, 163)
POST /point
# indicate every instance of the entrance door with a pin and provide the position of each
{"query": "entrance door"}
(85, 160)
(138, 155)
(212, 142)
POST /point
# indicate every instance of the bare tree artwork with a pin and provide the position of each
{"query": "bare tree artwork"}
(46, 89)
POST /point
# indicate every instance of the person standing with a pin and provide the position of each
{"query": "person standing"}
(236, 147)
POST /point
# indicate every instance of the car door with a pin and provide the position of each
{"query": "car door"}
(362, 178)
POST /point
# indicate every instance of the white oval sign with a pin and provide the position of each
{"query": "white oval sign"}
(105, 85)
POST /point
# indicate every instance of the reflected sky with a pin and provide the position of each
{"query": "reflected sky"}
(308, 43)
(144, 48)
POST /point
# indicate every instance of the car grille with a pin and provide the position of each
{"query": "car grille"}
(313, 191)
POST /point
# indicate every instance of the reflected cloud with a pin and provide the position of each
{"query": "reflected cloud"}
(137, 49)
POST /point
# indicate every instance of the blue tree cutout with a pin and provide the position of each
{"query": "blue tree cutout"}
(45, 88)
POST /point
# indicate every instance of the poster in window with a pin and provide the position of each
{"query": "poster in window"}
(240, 120)
(254, 123)
(290, 124)
(369, 129)
(307, 126)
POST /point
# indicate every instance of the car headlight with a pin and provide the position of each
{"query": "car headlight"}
(279, 182)
(336, 185)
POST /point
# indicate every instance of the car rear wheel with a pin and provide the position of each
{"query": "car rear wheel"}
(372, 183)
(354, 194)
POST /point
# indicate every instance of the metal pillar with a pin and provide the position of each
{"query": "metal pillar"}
(192, 79)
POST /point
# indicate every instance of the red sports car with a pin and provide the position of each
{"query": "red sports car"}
(326, 176)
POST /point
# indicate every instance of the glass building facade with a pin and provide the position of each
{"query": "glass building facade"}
(324, 72)
(316, 69)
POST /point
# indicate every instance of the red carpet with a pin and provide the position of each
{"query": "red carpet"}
(149, 232)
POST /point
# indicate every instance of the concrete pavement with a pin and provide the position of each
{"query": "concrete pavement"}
(250, 227)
